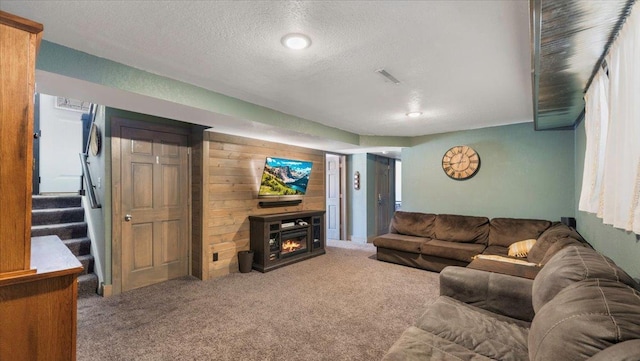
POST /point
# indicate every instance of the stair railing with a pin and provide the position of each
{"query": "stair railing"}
(86, 175)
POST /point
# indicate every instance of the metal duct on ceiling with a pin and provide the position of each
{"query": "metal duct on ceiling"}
(570, 39)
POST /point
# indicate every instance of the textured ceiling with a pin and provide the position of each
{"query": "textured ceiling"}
(464, 64)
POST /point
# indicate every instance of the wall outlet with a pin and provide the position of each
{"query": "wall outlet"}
(215, 256)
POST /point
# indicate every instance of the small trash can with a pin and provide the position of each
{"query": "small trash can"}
(245, 261)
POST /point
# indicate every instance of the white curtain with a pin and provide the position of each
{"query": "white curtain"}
(617, 201)
(596, 120)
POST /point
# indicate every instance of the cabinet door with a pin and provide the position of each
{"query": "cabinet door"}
(18, 44)
(317, 232)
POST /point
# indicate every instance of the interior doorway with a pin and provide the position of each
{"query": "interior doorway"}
(335, 202)
(59, 137)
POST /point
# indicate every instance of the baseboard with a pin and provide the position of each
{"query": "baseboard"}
(106, 290)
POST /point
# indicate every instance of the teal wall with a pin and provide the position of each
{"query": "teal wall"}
(357, 207)
(523, 174)
(623, 247)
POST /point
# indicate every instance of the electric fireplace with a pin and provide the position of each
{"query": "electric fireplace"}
(281, 239)
(293, 242)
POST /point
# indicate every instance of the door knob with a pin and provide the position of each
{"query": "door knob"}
(127, 218)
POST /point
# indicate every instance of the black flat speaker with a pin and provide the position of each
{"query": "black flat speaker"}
(568, 221)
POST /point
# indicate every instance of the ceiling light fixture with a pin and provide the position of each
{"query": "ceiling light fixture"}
(414, 114)
(296, 41)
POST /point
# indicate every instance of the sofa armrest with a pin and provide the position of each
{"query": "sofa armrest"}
(503, 294)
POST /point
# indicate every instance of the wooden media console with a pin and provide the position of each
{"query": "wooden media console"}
(281, 239)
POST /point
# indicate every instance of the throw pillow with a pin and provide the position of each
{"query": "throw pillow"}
(521, 248)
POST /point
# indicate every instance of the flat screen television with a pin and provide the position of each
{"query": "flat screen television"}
(284, 177)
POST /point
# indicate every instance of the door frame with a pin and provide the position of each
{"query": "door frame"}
(35, 177)
(116, 190)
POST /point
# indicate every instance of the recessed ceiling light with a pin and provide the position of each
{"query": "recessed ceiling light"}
(414, 114)
(296, 41)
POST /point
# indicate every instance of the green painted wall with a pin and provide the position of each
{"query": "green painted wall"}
(357, 209)
(622, 247)
(523, 174)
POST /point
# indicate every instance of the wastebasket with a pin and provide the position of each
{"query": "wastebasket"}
(245, 261)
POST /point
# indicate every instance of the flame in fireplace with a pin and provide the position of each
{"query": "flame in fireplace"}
(290, 246)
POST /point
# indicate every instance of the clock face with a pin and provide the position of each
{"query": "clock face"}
(461, 162)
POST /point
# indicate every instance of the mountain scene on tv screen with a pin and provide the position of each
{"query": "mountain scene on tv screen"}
(283, 177)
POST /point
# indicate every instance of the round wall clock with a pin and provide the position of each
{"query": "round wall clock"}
(461, 162)
(94, 139)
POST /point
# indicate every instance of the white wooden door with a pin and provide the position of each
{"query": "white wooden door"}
(333, 196)
(60, 144)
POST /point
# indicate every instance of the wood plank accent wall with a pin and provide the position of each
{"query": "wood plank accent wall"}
(198, 148)
(230, 194)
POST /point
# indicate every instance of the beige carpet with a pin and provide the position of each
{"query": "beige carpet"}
(344, 305)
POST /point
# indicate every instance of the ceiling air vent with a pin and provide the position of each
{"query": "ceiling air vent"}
(388, 76)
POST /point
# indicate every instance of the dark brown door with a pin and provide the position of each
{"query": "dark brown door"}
(384, 193)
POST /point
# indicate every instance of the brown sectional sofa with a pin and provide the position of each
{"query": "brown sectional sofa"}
(434, 241)
(581, 306)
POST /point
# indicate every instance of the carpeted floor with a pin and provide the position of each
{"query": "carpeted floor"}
(344, 305)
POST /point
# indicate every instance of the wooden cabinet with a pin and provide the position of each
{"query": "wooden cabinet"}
(38, 311)
(38, 277)
(19, 40)
(284, 238)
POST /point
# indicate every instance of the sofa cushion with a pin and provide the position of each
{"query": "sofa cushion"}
(399, 242)
(418, 345)
(623, 351)
(570, 265)
(583, 319)
(412, 224)
(505, 231)
(497, 250)
(484, 332)
(552, 240)
(452, 250)
(467, 229)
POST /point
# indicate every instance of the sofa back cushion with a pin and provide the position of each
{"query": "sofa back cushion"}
(456, 228)
(505, 231)
(584, 319)
(552, 240)
(570, 265)
(412, 224)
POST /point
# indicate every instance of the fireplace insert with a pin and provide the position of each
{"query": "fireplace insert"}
(293, 242)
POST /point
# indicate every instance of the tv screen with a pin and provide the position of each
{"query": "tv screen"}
(284, 177)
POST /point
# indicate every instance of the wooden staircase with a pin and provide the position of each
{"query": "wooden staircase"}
(63, 216)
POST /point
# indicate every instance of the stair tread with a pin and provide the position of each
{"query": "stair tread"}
(59, 225)
(53, 210)
(78, 239)
(56, 201)
(84, 256)
(87, 276)
(88, 285)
